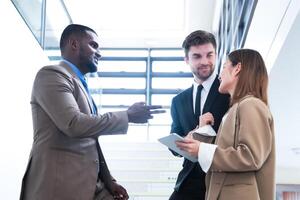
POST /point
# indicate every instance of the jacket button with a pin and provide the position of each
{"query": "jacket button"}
(96, 161)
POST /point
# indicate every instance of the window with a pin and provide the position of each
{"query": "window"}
(127, 76)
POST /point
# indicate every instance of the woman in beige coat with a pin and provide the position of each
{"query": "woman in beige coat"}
(241, 163)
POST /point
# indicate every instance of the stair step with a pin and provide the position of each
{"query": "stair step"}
(144, 146)
(148, 186)
(145, 163)
(137, 153)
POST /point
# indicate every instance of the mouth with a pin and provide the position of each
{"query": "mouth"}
(96, 60)
(203, 69)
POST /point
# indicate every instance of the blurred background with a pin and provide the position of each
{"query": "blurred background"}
(142, 60)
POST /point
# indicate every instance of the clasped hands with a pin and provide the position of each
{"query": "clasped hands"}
(140, 113)
(189, 144)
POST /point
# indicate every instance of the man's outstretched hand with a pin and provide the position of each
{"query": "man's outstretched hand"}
(140, 112)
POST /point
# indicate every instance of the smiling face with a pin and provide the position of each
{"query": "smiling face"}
(229, 77)
(89, 52)
(201, 59)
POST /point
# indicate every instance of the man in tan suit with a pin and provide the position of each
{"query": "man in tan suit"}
(66, 161)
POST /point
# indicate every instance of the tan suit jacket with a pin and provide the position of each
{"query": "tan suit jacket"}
(66, 156)
(244, 171)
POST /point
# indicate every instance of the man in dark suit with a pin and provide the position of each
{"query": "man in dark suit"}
(200, 54)
(66, 161)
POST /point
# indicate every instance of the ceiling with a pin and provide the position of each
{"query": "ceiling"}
(135, 23)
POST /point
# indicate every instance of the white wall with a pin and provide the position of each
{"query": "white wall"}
(21, 56)
(284, 97)
(274, 32)
(270, 25)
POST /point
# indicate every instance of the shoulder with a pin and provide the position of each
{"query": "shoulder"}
(59, 68)
(54, 74)
(251, 105)
(59, 71)
(183, 94)
(252, 101)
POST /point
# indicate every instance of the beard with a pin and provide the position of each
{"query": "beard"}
(92, 67)
(203, 74)
(88, 62)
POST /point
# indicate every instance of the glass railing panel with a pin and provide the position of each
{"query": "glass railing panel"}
(57, 18)
(31, 12)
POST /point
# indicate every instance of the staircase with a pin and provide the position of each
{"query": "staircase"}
(147, 170)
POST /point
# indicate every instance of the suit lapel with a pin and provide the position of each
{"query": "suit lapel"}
(213, 93)
(86, 95)
(188, 106)
(66, 66)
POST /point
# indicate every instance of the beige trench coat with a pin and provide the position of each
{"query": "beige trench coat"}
(245, 170)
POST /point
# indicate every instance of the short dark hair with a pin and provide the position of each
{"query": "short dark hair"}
(198, 37)
(73, 29)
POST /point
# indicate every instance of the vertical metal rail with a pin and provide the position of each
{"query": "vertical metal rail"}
(43, 23)
(148, 84)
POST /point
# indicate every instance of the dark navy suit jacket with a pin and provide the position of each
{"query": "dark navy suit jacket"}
(184, 120)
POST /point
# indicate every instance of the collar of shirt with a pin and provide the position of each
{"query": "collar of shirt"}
(204, 93)
(206, 84)
(83, 81)
(76, 70)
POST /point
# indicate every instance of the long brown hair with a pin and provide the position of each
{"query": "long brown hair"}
(253, 76)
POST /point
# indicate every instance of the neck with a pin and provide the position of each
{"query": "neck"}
(231, 90)
(199, 81)
(76, 63)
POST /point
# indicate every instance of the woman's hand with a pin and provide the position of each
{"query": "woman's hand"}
(205, 119)
(189, 145)
(190, 134)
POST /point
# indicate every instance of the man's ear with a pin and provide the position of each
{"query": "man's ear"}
(237, 69)
(186, 59)
(74, 44)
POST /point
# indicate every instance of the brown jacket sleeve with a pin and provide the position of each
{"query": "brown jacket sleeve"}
(254, 139)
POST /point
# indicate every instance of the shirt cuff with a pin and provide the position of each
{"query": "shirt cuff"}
(206, 155)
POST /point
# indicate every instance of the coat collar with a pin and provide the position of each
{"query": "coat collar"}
(73, 74)
(213, 93)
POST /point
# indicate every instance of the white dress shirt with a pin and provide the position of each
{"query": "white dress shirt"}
(204, 92)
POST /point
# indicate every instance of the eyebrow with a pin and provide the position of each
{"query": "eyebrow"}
(198, 54)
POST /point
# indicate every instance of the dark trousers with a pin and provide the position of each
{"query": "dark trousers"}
(187, 196)
(192, 188)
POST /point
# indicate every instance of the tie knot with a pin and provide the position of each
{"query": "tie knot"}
(199, 88)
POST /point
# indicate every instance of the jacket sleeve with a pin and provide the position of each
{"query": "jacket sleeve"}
(175, 126)
(254, 140)
(53, 91)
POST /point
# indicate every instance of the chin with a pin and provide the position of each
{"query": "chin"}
(93, 68)
(222, 90)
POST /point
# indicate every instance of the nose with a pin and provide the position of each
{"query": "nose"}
(204, 61)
